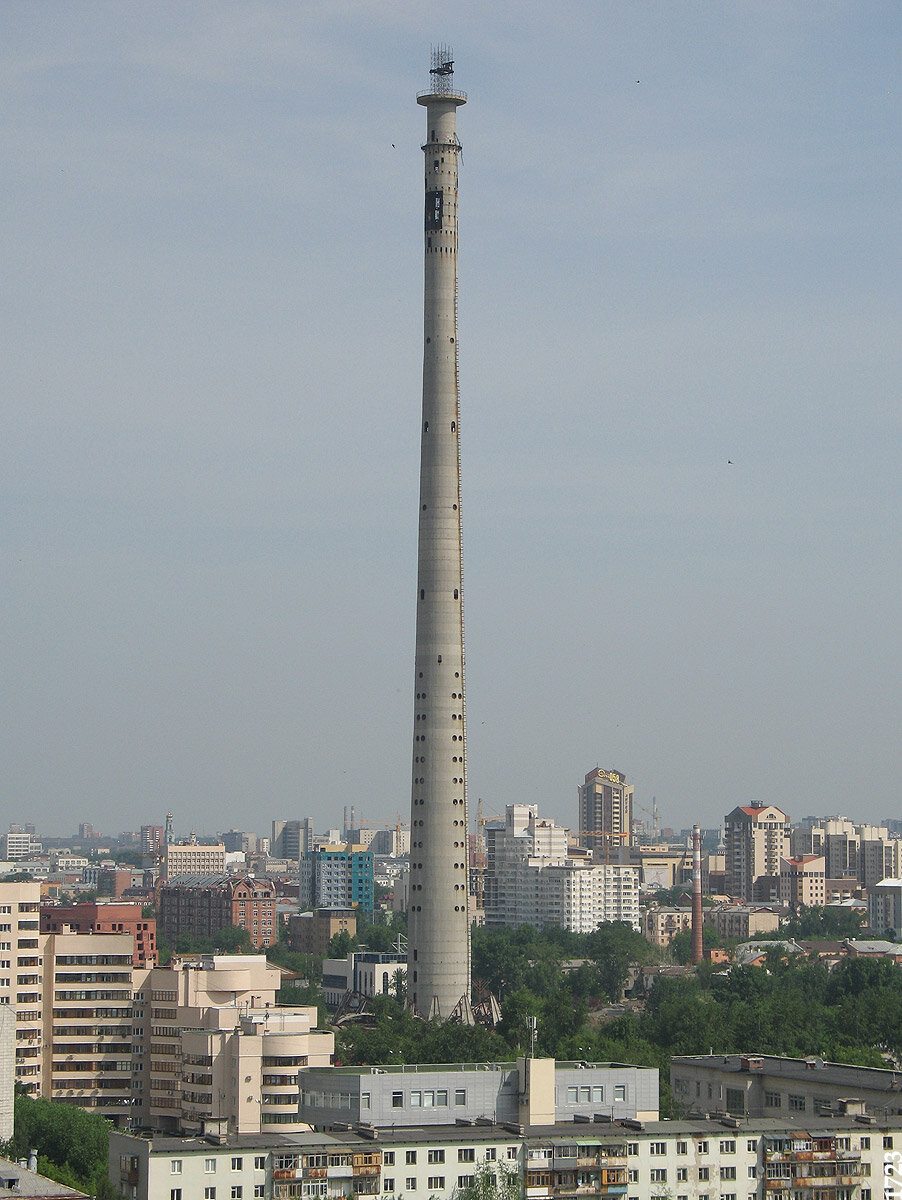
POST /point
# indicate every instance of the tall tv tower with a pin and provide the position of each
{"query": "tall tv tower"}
(438, 958)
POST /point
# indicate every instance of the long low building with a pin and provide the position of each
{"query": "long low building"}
(839, 1158)
(763, 1085)
(438, 1094)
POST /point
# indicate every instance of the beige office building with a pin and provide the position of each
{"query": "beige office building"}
(189, 858)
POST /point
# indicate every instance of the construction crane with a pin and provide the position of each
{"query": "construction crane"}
(653, 814)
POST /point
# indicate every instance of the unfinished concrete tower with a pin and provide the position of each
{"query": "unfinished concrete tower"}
(438, 975)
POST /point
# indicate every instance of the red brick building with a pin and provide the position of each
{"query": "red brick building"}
(98, 916)
(202, 905)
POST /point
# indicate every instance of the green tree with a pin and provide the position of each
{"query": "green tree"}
(232, 939)
(492, 1181)
(72, 1144)
(341, 944)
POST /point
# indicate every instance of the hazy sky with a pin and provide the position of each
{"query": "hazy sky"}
(680, 367)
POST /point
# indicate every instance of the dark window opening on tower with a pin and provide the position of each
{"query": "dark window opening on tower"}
(425, 427)
(453, 426)
(423, 593)
(456, 596)
(440, 658)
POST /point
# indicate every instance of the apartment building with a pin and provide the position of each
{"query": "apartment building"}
(87, 1022)
(661, 925)
(99, 916)
(741, 921)
(201, 905)
(22, 977)
(338, 875)
(802, 881)
(885, 907)
(215, 1053)
(531, 880)
(823, 1159)
(756, 837)
(868, 853)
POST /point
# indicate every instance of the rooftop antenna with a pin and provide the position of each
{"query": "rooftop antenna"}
(533, 1025)
(442, 69)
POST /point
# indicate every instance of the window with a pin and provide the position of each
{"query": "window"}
(572, 1095)
(728, 1147)
(175, 1166)
(512, 1153)
(632, 1147)
(411, 1158)
(435, 1156)
(465, 1181)
(753, 1172)
(416, 1099)
(703, 1147)
(752, 1145)
(237, 1164)
(657, 1148)
(865, 1143)
(658, 1175)
(703, 1174)
(259, 1190)
(237, 1191)
(364, 1099)
(436, 1183)
(466, 1154)
(175, 1194)
(209, 1166)
(460, 1096)
(397, 1099)
(411, 1183)
(491, 1153)
(682, 1174)
(619, 1091)
(772, 1100)
(682, 1147)
(388, 1158)
(441, 1098)
(260, 1162)
(597, 1095)
(633, 1176)
(796, 1103)
(209, 1193)
(388, 1185)
(728, 1172)
(887, 1143)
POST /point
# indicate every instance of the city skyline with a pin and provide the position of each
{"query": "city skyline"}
(679, 314)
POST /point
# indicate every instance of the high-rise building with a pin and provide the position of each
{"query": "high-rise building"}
(438, 918)
(605, 812)
(22, 975)
(151, 838)
(338, 875)
(291, 839)
(756, 837)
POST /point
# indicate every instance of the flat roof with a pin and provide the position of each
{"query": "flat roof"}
(816, 1069)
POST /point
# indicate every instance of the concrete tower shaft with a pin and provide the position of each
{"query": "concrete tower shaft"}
(438, 920)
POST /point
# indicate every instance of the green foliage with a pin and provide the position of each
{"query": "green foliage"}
(681, 943)
(72, 1144)
(492, 1181)
(341, 944)
(830, 924)
(232, 939)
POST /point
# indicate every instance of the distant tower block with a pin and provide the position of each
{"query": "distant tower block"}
(438, 974)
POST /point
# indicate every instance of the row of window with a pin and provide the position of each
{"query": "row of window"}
(175, 1164)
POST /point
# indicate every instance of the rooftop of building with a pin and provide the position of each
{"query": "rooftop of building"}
(578, 1131)
(424, 1068)
(19, 1181)
(813, 1068)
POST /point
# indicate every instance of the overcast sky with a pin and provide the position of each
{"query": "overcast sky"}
(680, 409)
